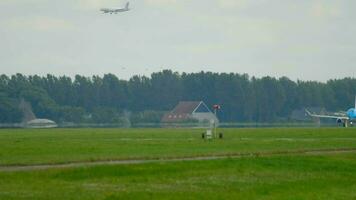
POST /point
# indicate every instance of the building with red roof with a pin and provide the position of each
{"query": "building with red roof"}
(187, 111)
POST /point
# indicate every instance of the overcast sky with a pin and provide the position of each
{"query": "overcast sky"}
(301, 39)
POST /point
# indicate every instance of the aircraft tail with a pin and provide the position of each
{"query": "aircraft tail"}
(308, 112)
(127, 5)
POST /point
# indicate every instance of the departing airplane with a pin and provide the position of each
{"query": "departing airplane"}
(344, 118)
(116, 9)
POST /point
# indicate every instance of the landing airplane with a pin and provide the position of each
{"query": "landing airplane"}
(341, 118)
(116, 10)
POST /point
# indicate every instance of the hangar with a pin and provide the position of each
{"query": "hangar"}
(40, 123)
(30, 120)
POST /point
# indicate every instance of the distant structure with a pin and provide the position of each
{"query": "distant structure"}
(29, 119)
(26, 108)
(187, 111)
(41, 123)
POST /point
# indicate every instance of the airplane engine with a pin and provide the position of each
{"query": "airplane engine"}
(339, 121)
(342, 122)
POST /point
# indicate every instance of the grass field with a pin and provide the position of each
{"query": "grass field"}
(26, 146)
(289, 176)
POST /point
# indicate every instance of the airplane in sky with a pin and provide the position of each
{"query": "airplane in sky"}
(341, 118)
(115, 10)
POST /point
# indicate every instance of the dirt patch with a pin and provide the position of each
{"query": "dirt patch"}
(208, 157)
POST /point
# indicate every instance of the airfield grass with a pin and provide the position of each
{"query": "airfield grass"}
(53, 146)
(276, 177)
(287, 176)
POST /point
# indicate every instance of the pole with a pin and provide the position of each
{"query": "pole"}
(215, 124)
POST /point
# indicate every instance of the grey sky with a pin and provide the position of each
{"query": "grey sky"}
(301, 39)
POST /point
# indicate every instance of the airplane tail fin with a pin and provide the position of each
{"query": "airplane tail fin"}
(127, 5)
(308, 112)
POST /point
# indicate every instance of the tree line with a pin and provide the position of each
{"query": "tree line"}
(109, 99)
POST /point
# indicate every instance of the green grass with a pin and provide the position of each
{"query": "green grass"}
(277, 177)
(26, 146)
(330, 176)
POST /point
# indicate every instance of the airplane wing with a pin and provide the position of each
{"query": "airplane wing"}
(326, 116)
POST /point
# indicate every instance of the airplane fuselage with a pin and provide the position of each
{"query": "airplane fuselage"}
(345, 118)
(114, 10)
(351, 114)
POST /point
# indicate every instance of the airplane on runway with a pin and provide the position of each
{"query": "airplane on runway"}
(341, 118)
(115, 10)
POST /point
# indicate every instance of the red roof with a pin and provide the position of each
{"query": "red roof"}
(181, 112)
(185, 107)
